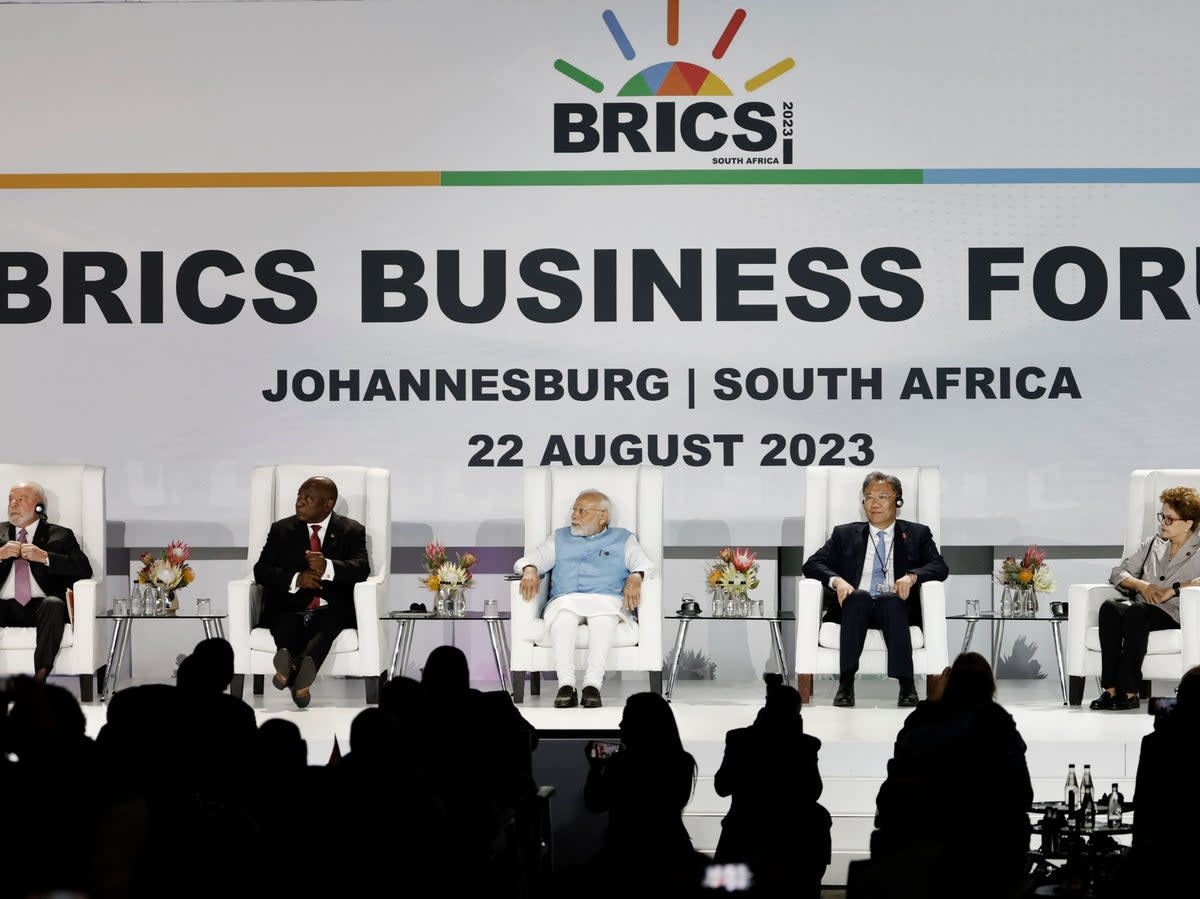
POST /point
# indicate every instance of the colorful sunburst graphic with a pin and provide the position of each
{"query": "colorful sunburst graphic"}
(676, 78)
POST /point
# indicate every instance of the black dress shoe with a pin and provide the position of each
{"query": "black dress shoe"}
(302, 697)
(907, 698)
(1125, 703)
(566, 698)
(284, 671)
(305, 675)
(591, 698)
(1104, 703)
(844, 698)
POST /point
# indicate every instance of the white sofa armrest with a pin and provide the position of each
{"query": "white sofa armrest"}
(244, 598)
(367, 597)
(89, 596)
(933, 625)
(809, 595)
(1083, 601)
(1189, 620)
(650, 625)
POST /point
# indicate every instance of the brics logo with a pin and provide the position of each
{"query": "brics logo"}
(760, 128)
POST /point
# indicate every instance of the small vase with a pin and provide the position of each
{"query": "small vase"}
(451, 603)
(1027, 598)
(719, 603)
(1006, 602)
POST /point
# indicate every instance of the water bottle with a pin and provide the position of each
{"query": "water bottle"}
(1071, 791)
(135, 598)
(1087, 799)
(1114, 807)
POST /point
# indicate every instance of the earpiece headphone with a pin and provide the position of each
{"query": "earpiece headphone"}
(40, 509)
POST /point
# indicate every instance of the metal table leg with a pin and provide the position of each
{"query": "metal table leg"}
(997, 642)
(116, 655)
(680, 638)
(406, 649)
(400, 626)
(1056, 630)
(493, 626)
(777, 642)
(968, 636)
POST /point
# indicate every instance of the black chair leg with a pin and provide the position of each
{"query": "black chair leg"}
(656, 682)
(85, 688)
(372, 686)
(1147, 690)
(237, 686)
(518, 685)
(259, 680)
(1075, 690)
(535, 683)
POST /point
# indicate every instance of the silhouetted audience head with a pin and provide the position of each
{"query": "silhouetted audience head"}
(373, 736)
(406, 699)
(43, 721)
(649, 724)
(280, 747)
(782, 699)
(970, 681)
(1188, 695)
(216, 654)
(446, 674)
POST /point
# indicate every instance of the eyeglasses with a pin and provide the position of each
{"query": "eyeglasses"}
(878, 497)
(580, 510)
(1168, 520)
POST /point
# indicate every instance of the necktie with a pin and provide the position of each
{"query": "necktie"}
(314, 543)
(879, 569)
(23, 592)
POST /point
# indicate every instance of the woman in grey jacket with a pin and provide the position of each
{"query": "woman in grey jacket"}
(1152, 576)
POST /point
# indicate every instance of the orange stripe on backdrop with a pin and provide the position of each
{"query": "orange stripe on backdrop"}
(127, 180)
(672, 22)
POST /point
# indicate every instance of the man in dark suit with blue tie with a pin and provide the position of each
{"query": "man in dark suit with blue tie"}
(859, 565)
(308, 568)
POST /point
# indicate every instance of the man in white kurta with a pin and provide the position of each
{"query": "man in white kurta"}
(597, 579)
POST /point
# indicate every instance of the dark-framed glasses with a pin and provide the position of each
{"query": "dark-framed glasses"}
(1167, 519)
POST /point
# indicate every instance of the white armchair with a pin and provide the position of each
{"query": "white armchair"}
(636, 495)
(364, 494)
(833, 496)
(1169, 653)
(74, 499)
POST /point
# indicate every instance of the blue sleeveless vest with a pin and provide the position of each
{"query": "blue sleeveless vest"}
(593, 564)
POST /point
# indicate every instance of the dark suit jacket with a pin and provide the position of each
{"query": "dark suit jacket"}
(67, 565)
(844, 553)
(345, 545)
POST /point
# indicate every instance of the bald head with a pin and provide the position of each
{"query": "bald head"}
(315, 499)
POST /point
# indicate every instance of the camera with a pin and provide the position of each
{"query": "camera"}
(1157, 705)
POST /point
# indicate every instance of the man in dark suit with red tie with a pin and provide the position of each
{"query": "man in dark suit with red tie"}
(859, 565)
(39, 562)
(308, 568)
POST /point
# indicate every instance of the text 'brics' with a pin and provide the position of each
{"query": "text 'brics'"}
(551, 285)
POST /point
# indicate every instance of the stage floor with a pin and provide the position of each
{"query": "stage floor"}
(857, 744)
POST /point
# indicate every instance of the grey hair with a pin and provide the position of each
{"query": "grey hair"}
(41, 491)
(603, 505)
(891, 480)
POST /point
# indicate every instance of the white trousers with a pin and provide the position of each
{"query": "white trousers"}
(564, 631)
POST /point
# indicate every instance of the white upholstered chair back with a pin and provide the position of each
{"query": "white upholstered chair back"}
(833, 496)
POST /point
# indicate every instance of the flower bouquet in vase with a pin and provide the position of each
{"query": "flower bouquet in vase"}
(730, 578)
(1023, 580)
(448, 580)
(164, 575)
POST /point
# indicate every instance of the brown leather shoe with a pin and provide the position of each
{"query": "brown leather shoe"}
(284, 671)
(566, 698)
(591, 698)
(302, 697)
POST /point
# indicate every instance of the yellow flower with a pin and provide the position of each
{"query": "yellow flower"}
(1025, 575)
(432, 582)
(714, 577)
(188, 575)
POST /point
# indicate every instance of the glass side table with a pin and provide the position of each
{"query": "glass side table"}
(408, 620)
(774, 621)
(118, 647)
(1056, 624)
